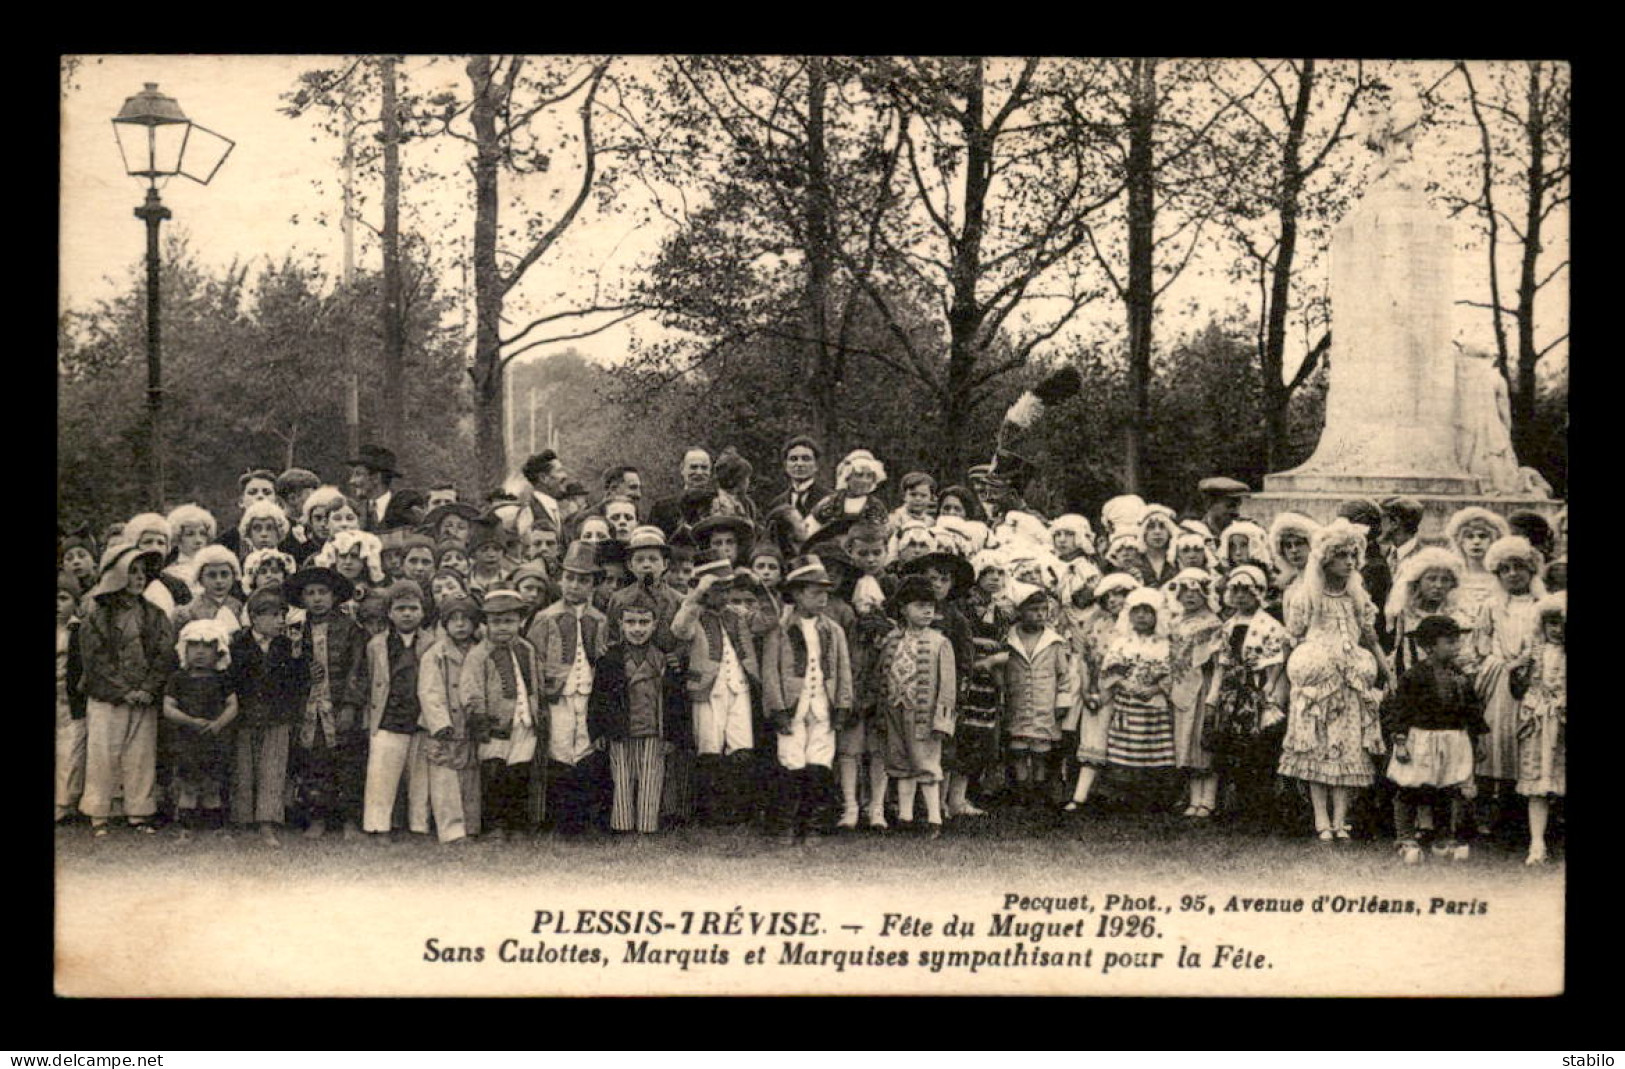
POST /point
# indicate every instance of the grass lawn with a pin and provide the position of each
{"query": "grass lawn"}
(1009, 844)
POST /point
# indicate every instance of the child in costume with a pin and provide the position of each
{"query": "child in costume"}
(917, 664)
(1245, 708)
(1437, 722)
(385, 685)
(1505, 637)
(328, 747)
(1333, 731)
(1193, 643)
(637, 706)
(1093, 635)
(501, 687)
(807, 694)
(1543, 723)
(70, 702)
(270, 676)
(127, 649)
(723, 675)
(1471, 531)
(1136, 682)
(1037, 684)
(200, 707)
(569, 637)
(449, 751)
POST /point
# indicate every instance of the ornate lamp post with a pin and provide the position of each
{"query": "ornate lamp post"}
(158, 141)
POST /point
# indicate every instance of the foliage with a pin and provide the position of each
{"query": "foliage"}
(251, 379)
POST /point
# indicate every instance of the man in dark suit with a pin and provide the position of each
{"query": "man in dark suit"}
(372, 475)
(667, 514)
(801, 457)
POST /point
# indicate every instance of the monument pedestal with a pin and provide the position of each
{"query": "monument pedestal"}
(1322, 506)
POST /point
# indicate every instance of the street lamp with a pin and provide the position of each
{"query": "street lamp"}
(158, 141)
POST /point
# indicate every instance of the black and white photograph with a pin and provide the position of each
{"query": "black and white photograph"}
(672, 524)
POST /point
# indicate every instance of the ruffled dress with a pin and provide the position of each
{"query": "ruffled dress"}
(1332, 725)
(1193, 643)
(1542, 726)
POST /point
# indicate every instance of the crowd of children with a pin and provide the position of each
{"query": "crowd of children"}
(382, 659)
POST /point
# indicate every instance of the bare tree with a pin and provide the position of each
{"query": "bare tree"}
(1283, 138)
(1520, 113)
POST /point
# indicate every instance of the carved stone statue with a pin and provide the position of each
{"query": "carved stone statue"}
(1484, 427)
(1390, 129)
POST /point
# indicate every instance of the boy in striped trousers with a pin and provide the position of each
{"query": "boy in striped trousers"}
(636, 701)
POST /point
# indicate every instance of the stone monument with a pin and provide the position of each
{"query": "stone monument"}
(1405, 414)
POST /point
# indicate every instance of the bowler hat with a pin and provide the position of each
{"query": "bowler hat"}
(377, 458)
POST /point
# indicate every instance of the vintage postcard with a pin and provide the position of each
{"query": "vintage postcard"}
(606, 525)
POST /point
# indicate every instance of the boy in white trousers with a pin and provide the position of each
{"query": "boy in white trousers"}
(385, 684)
(807, 693)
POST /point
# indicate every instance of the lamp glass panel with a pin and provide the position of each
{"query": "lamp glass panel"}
(205, 152)
(167, 141)
(135, 145)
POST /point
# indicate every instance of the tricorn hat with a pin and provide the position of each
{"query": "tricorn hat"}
(958, 568)
(294, 586)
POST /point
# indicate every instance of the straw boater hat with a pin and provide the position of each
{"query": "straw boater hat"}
(709, 563)
(806, 571)
(501, 599)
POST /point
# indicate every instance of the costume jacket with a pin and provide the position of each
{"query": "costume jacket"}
(486, 699)
(1036, 685)
(441, 705)
(346, 645)
(554, 635)
(609, 713)
(927, 704)
(100, 641)
(270, 684)
(705, 630)
(374, 671)
(1433, 698)
(784, 669)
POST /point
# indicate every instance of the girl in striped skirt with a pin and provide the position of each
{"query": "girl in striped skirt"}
(1137, 680)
